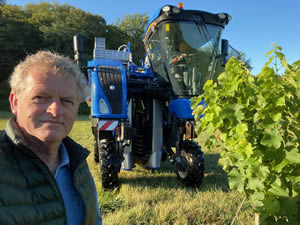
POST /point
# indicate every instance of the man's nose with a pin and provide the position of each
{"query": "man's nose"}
(55, 108)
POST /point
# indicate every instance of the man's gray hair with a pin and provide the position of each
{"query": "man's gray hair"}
(60, 65)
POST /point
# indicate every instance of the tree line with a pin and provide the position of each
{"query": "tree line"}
(46, 26)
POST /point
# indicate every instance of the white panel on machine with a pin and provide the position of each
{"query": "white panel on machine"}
(101, 53)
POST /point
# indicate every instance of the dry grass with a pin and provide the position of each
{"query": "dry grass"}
(156, 197)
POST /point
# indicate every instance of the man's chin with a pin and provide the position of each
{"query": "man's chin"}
(51, 137)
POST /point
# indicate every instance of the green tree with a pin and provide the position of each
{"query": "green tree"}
(17, 38)
(134, 26)
(52, 27)
(59, 23)
(115, 37)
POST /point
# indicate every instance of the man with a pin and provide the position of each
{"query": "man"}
(44, 177)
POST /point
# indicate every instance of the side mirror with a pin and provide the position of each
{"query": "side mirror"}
(78, 47)
(224, 52)
(225, 47)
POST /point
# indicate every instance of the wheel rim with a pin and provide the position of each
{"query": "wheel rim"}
(183, 174)
(190, 168)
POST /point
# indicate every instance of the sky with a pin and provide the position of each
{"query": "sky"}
(255, 24)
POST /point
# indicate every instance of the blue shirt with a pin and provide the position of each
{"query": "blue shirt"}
(72, 200)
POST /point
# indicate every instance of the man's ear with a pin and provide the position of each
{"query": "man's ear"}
(13, 100)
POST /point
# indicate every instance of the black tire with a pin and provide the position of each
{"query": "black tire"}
(191, 171)
(96, 147)
(110, 163)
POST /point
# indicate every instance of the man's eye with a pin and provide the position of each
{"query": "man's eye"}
(67, 102)
(40, 99)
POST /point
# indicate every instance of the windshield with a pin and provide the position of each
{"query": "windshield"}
(189, 50)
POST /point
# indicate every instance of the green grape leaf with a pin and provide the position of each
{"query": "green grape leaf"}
(256, 117)
(279, 48)
(195, 101)
(238, 112)
(274, 44)
(265, 68)
(223, 136)
(208, 85)
(271, 138)
(280, 55)
(256, 169)
(272, 205)
(290, 206)
(198, 110)
(257, 198)
(236, 180)
(222, 76)
(209, 116)
(293, 156)
(255, 184)
(280, 101)
(270, 52)
(298, 83)
(298, 94)
(241, 128)
(298, 77)
(210, 128)
(285, 64)
(278, 168)
(277, 189)
(261, 101)
(248, 150)
(276, 117)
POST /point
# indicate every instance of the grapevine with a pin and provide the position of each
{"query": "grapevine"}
(255, 121)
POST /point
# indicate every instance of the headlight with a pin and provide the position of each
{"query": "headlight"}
(166, 9)
(176, 10)
(222, 16)
(103, 108)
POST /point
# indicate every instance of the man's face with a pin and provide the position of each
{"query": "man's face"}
(48, 107)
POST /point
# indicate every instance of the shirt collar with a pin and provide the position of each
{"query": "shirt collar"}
(64, 158)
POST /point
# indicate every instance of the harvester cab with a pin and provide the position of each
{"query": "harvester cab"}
(185, 47)
(142, 114)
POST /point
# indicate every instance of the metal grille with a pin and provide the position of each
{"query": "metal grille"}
(111, 82)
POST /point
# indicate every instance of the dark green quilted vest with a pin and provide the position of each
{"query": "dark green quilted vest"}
(29, 194)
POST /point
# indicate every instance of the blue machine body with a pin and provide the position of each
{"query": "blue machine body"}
(97, 92)
(140, 71)
(181, 107)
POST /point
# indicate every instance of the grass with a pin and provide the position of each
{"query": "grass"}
(156, 197)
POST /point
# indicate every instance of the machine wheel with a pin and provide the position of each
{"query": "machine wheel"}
(190, 170)
(110, 163)
(96, 147)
